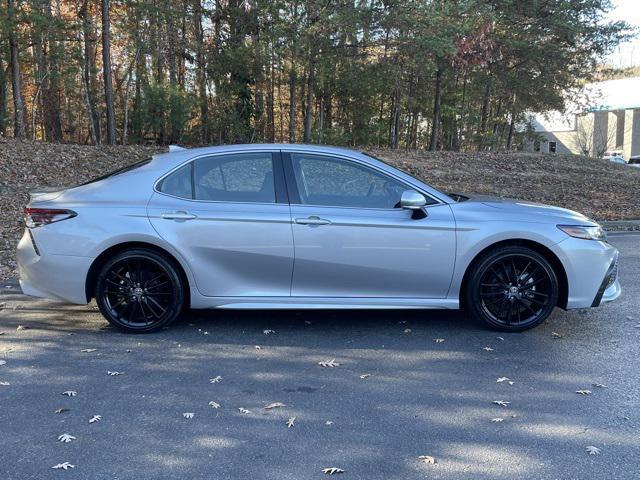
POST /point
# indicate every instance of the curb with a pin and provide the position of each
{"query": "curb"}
(621, 225)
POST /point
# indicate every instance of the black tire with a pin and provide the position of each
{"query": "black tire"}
(512, 289)
(139, 291)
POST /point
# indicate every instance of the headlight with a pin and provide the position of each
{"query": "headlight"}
(584, 232)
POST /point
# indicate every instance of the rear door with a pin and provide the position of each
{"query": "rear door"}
(229, 217)
(352, 239)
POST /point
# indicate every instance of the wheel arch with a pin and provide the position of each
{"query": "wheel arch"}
(555, 262)
(99, 261)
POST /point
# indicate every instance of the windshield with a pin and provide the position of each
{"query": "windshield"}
(412, 175)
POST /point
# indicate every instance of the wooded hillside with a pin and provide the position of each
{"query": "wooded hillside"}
(436, 74)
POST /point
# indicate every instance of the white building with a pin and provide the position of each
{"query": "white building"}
(604, 117)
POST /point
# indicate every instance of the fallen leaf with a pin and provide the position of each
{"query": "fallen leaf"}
(95, 418)
(268, 332)
(244, 411)
(66, 438)
(488, 349)
(427, 459)
(70, 393)
(502, 403)
(328, 422)
(583, 392)
(290, 422)
(214, 404)
(439, 340)
(61, 410)
(188, 414)
(591, 450)
(556, 335)
(271, 406)
(217, 379)
(366, 375)
(63, 466)
(332, 470)
(5, 384)
(497, 419)
(88, 350)
(500, 338)
(329, 363)
(114, 374)
(502, 379)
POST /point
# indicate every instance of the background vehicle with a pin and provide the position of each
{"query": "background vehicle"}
(292, 226)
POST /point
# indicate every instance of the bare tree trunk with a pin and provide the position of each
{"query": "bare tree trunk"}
(108, 82)
(435, 123)
(88, 70)
(201, 74)
(308, 114)
(3, 99)
(511, 131)
(16, 79)
(292, 104)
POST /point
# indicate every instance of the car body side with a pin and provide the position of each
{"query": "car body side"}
(114, 214)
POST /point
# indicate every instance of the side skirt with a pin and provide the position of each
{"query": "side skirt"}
(311, 303)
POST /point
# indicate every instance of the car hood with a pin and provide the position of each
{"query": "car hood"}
(532, 209)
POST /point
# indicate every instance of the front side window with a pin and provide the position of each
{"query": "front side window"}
(334, 182)
(242, 177)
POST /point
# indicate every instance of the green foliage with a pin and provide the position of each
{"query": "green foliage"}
(204, 71)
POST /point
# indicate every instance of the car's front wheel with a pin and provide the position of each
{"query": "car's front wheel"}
(512, 288)
(139, 291)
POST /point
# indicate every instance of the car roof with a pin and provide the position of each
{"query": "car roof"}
(186, 153)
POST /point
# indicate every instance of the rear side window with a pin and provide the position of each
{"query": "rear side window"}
(178, 183)
(243, 177)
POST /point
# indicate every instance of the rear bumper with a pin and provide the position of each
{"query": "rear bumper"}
(61, 277)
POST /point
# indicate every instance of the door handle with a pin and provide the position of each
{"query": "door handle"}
(312, 220)
(178, 216)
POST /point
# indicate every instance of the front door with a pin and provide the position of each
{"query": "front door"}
(228, 216)
(352, 239)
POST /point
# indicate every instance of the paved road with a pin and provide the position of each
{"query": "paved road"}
(421, 398)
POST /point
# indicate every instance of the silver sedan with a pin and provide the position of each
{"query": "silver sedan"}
(299, 227)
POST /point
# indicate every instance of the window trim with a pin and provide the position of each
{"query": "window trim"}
(281, 194)
(294, 195)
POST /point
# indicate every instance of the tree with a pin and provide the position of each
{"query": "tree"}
(106, 69)
(16, 77)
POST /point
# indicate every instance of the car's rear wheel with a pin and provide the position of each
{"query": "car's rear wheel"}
(139, 291)
(512, 288)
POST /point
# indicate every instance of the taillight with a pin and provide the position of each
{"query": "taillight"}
(36, 217)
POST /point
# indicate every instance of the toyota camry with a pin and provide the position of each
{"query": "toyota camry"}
(304, 227)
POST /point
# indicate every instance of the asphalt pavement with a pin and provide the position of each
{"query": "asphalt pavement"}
(408, 384)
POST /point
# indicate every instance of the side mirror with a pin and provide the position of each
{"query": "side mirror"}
(412, 200)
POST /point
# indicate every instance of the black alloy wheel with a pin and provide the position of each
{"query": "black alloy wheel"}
(139, 291)
(512, 289)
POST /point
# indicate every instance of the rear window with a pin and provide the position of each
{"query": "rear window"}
(178, 183)
(125, 169)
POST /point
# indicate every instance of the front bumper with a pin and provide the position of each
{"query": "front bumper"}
(610, 288)
(61, 277)
(591, 270)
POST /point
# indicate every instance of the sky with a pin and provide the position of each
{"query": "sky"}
(628, 54)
